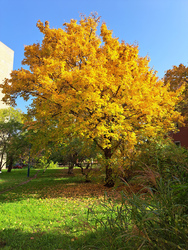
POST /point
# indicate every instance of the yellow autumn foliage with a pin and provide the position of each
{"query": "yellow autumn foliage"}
(93, 85)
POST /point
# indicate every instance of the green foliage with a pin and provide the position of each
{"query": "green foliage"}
(11, 114)
(177, 77)
(43, 162)
(74, 149)
(158, 221)
(156, 216)
(53, 165)
(162, 156)
(13, 142)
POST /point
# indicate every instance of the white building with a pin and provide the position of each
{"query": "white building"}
(6, 66)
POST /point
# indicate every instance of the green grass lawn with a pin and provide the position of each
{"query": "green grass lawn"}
(52, 211)
(56, 211)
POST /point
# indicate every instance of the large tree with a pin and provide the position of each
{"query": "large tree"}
(92, 85)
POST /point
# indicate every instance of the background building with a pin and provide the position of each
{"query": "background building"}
(181, 138)
(6, 66)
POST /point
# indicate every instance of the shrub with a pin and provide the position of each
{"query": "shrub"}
(44, 163)
(153, 221)
(156, 219)
(162, 156)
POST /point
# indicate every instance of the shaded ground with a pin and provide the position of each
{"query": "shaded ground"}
(19, 184)
(57, 183)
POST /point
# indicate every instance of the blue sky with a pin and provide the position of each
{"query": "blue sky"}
(160, 27)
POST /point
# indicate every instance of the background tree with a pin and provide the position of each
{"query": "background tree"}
(17, 149)
(76, 152)
(93, 86)
(177, 77)
(12, 137)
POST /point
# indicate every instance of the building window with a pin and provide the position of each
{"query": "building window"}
(178, 143)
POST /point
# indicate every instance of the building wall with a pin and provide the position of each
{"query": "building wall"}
(6, 66)
(181, 138)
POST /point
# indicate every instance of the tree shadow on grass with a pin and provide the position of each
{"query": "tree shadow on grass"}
(53, 184)
(56, 240)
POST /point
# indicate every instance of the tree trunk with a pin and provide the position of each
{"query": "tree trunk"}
(1, 157)
(10, 164)
(71, 166)
(109, 181)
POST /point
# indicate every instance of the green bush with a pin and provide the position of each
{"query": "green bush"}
(53, 165)
(44, 163)
(155, 221)
(163, 157)
(157, 216)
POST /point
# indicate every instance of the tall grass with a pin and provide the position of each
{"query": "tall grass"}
(156, 220)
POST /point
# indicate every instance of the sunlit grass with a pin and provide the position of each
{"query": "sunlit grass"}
(49, 212)
(60, 211)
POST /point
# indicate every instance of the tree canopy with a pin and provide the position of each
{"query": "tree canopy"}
(178, 77)
(12, 136)
(92, 85)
